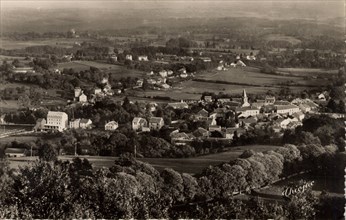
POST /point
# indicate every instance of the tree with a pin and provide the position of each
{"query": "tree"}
(48, 152)
(302, 205)
(24, 101)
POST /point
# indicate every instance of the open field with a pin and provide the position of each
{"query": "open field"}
(9, 44)
(186, 165)
(194, 89)
(76, 66)
(23, 139)
(11, 58)
(117, 70)
(279, 37)
(253, 77)
(8, 105)
(307, 71)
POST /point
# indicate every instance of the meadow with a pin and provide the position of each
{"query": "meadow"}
(184, 165)
(307, 72)
(10, 44)
(117, 71)
(279, 37)
(253, 77)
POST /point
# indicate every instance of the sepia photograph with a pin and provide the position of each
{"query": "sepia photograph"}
(172, 109)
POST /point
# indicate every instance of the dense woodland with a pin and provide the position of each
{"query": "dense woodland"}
(132, 189)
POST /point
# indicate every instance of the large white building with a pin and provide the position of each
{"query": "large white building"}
(57, 121)
(287, 109)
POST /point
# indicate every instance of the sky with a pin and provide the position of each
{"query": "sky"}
(22, 14)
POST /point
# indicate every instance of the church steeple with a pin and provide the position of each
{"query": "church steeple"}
(244, 94)
(245, 100)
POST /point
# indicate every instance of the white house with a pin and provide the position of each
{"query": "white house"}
(321, 97)
(16, 152)
(178, 105)
(97, 91)
(23, 70)
(56, 121)
(85, 123)
(143, 58)
(111, 126)
(156, 123)
(247, 111)
(128, 57)
(163, 73)
(299, 115)
(83, 98)
(74, 123)
(77, 92)
(287, 109)
(183, 75)
(138, 123)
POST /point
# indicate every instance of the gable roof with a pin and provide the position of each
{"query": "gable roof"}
(84, 120)
(155, 119)
(178, 105)
(285, 107)
(111, 123)
(203, 112)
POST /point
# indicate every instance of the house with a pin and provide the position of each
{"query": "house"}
(282, 122)
(250, 57)
(165, 86)
(139, 83)
(180, 138)
(258, 104)
(208, 98)
(57, 121)
(178, 105)
(299, 115)
(281, 103)
(293, 124)
(97, 91)
(246, 122)
(111, 126)
(152, 106)
(238, 63)
(23, 70)
(163, 73)
(156, 123)
(128, 57)
(143, 58)
(183, 75)
(40, 123)
(269, 100)
(212, 128)
(247, 111)
(321, 97)
(206, 59)
(138, 123)
(83, 98)
(114, 58)
(74, 124)
(202, 114)
(230, 132)
(287, 109)
(151, 73)
(16, 152)
(223, 100)
(77, 92)
(305, 107)
(85, 123)
(201, 133)
(182, 70)
(151, 81)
